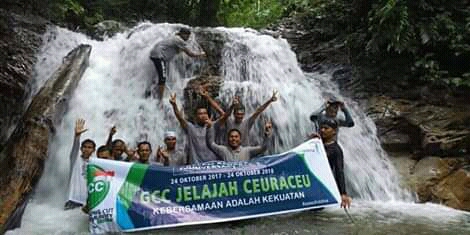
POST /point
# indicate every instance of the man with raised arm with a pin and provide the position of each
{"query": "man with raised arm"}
(164, 51)
(234, 151)
(244, 125)
(77, 170)
(329, 110)
(198, 151)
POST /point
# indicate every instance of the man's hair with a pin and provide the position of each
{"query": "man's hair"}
(142, 143)
(117, 141)
(200, 107)
(88, 141)
(103, 148)
(232, 130)
(240, 108)
(184, 30)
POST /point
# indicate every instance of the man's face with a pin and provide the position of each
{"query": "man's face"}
(331, 110)
(170, 143)
(201, 116)
(234, 139)
(327, 132)
(104, 154)
(87, 150)
(144, 152)
(118, 149)
(239, 115)
(185, 36)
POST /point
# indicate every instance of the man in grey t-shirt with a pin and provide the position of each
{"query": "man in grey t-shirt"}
(198, 151)
(165, 50)
(234, 151)
(243, 124)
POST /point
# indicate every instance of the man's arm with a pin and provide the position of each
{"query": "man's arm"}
(268, 132)
(193, 54)
(348, 122)
(339, 170)
(109, 142)
(204, 93)
(219, 150)
(179, 116)
(259, 110)
(79, 129)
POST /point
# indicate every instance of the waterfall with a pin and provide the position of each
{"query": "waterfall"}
(112, 93)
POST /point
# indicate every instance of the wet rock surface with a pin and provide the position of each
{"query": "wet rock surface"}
(20, 40)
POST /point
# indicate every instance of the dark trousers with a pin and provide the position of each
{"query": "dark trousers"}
(160, 65)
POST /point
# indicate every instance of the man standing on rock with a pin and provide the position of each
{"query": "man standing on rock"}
(164, 51)
(77, 175)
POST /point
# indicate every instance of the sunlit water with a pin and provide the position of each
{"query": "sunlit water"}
(112, 93)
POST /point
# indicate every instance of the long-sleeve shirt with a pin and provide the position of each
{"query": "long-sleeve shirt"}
(336, 160)
(77, 175)
(239, 154)
(319, 116)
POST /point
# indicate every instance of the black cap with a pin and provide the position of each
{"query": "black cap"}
(329, 122)
(184, 31)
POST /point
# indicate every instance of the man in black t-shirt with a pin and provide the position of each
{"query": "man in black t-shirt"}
(328, 130)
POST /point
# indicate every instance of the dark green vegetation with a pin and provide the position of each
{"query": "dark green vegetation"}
(406, 43)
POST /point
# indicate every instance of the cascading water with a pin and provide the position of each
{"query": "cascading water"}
(112, 93)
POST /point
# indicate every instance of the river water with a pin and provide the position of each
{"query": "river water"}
(112, 93)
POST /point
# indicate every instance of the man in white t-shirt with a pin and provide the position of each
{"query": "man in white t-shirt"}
(77, 174)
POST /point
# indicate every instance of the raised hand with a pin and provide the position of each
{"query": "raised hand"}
(80, 126)
(275, 95)
(236, 101)
(202, 90)
(173, 99)
(113, 130)
(208, 122)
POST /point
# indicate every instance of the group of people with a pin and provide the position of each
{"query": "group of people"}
(225, 139)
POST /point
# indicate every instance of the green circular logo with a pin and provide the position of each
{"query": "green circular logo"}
(98, 184)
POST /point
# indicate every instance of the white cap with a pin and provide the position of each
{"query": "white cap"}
(169, 134)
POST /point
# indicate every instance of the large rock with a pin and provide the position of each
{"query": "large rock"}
(428, 129)
(454, 190)
(20, 39)
(192, 99)
(22, 161)
(443, 180)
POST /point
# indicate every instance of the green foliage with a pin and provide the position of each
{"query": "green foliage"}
(434, 33)
(250, 13)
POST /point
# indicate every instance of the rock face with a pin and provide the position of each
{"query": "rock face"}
(20, 39)
(438, 138)
(22, 161)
